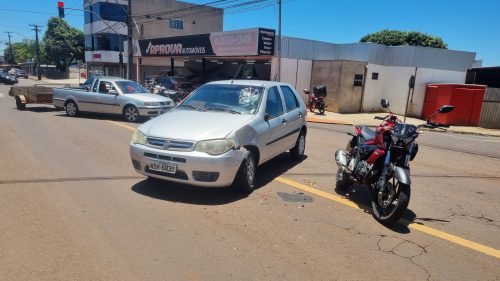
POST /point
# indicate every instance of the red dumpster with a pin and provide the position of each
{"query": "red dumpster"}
(467, 99)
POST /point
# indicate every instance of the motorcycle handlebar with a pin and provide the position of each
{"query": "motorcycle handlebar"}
(379, 118)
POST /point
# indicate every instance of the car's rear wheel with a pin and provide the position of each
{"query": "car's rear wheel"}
(71, 109)
(245, 178)
(297, 152)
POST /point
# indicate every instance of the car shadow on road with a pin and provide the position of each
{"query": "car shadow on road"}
(40, 109)
(102, 116)
(183, 193)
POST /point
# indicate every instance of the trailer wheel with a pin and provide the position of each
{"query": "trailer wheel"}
(20, 104)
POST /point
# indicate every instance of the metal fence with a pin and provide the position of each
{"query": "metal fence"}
(490, 112)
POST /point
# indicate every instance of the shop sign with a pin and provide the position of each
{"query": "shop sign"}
(248, 42)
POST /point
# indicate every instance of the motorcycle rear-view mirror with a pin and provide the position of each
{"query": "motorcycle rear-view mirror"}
(384, 103)
(446, 108)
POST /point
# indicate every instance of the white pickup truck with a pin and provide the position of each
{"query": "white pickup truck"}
(112, 95)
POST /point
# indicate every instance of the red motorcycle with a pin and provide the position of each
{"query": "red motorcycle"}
(380, 159)
(316, 99)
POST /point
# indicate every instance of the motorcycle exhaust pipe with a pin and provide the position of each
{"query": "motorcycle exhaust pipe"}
(341, 158)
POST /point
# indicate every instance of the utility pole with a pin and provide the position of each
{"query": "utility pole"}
(279, 40)
(130, 31)
(11, 51)
(37, 50)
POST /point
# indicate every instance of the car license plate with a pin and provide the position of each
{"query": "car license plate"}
(163, 166)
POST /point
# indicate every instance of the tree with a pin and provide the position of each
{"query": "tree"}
(63, 43)
(24, 51)
(398, 38)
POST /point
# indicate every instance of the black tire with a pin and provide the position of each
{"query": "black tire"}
(71, 109)
(245, 178)
(321, 108)
(297, 152)
(131, 114)
(19, 104)
(392, 216)
(342, 182)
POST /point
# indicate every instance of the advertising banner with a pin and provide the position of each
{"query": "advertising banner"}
(249, 42)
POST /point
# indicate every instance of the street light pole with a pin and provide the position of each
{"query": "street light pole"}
(130, 30)
(11, 56)
(279, 40)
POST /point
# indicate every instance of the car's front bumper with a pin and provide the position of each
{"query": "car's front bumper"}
(153, 110)
(190, 165)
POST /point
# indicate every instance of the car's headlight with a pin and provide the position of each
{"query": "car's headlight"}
(215, 147)
(147, 103)
(139, 138)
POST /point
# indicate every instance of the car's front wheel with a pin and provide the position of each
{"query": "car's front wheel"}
(245, 178)
(131, 113)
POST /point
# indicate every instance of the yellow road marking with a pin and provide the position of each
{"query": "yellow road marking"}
(420, 227)
(121, 125)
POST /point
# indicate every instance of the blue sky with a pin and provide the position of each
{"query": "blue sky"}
(464, 24)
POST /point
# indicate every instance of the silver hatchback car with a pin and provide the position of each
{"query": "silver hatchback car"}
(221, 133)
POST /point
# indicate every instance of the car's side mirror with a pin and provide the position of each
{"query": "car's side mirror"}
(384, 103)
(446, 108)
(87, 88)
(81, 84)
(267, 117)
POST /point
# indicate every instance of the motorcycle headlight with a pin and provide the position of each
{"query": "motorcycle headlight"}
(215, 147)
(139, 138)
(147, 103)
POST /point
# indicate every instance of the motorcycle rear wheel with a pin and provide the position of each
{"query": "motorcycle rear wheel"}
(395, 210)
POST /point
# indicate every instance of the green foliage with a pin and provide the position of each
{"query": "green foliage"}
(63, 43)
(398, 38)
(23, 51)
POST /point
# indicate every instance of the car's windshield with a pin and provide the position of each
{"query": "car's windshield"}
(239, 99)
(131, 87)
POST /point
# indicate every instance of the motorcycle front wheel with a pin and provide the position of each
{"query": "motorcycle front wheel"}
(389, 207)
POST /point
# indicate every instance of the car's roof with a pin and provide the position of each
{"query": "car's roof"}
(255, 83)
(111, 78)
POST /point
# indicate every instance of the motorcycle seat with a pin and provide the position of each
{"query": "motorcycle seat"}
(367, 133)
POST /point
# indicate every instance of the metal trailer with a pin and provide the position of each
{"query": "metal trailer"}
(37, 94)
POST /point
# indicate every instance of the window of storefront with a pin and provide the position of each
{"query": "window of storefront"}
(106, 11)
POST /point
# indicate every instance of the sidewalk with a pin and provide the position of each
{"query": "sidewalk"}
(366, 119)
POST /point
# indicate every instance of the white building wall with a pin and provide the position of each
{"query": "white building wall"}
(294, 72)
(392, 84)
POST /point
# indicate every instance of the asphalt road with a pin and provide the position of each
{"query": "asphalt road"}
(73, 208)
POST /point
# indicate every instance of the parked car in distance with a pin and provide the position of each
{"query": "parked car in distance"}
(176, 83)
(112, 95)
(8, 79)
(21, 73)
(221, 133)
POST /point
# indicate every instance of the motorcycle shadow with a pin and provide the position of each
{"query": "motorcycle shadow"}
(361, 196)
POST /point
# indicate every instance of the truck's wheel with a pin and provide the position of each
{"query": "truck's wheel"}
(19, 104)
(131, 113)
(71, 109)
